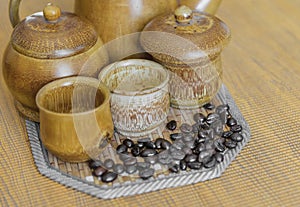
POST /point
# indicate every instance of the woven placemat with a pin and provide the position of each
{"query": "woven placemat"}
(79, 176)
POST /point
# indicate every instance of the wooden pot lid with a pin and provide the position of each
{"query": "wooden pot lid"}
(53, 34)
(205, 32)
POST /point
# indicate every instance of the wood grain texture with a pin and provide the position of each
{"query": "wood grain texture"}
(262, 72)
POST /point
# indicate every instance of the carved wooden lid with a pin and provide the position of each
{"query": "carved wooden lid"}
(53, 34)
(190, 33)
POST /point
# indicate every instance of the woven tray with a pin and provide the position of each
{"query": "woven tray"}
(79, 176)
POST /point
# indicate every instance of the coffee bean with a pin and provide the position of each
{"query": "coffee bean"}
(199, 140)
(204, 154)
(130, 161)
(209, 106)
(121, 148)
(150, 145)
(230, 143)
(210, 163)
(187, 150)
(178, 144)
(109, 163)
(212, 117)
(118, 168)
(146, 173)
(148, 152)
(165, 144)
(222, 107)
(186, 128)
(219, 146)
(237, 137)
(188, 137)
(178, 155)
(128, 142)
(204, 160)
(202, 134)
(236, 128)
(142, 165)
(192, 145)
(165, 160)
(171, 125)
(135, 151)
(219, 157)
(93, 164)
(190, 158)
(231, 122)
(199, 118)
(182, 165)
(227, 134)
(152, 160)
(209, 144)
(176, 136)
(108, 177)
(165, 154)
(194, 165)
(217, 126)
(130, 169)
(158, 143)
(140, 144)
(172, 149)
(99, 171)
(199, 148)
(174, 168)
(124, 156)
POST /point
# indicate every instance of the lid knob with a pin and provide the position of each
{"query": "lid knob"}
(51, 12)
(183, 14)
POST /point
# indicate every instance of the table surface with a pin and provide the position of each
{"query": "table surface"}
(262, 72)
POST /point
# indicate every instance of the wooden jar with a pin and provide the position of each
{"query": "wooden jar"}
(46, 46)
(189, 44)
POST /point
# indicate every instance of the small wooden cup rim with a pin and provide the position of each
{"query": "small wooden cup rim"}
(93, 82)
(138, 62)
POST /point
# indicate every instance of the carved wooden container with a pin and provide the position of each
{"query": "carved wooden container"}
(189, 44)
(140, 96)
(47, 46)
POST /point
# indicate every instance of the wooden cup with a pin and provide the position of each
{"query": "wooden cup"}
(75, 118)
(139, 95)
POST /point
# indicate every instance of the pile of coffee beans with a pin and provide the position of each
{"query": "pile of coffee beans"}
(197, 146)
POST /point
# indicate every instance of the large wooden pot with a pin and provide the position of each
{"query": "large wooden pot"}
(189, 44)
(46, 46)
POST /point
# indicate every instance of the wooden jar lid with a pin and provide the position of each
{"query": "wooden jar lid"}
(53, 34)
(185, 33)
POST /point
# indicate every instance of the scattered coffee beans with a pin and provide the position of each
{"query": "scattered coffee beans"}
(200, 145)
